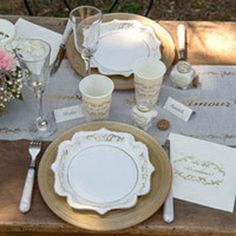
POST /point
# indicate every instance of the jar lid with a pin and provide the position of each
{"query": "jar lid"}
(184, 67)
(143, 108)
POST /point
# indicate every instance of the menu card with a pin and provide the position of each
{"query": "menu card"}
(203, 172)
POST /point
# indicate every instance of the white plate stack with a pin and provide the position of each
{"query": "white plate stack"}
(102, 170)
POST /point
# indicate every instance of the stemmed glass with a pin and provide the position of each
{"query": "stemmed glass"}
(86, 27)
(33, 56)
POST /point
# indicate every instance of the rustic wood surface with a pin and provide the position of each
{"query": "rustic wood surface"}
(208, 43)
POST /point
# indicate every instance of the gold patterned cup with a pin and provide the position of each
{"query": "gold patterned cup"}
(96, 93)
(148, 76)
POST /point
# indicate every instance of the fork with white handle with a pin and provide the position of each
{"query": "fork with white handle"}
(25, 202)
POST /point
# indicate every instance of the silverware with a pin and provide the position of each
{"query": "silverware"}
(168, 210)
(62, 50)
(25, 202)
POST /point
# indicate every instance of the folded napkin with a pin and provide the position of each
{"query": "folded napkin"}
(26, 29)
(204, 172)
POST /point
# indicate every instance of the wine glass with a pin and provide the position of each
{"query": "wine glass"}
(34, 56)
(86, 27)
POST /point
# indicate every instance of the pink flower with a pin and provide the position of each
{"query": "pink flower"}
(7, 61)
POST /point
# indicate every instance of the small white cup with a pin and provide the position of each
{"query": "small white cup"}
(148, 76)
(96, 93)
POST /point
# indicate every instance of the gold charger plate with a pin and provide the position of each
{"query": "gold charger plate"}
(121, 82)
(117, 219)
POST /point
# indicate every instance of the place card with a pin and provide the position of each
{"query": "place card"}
(68, 113)
(203, 172)
(178, 109)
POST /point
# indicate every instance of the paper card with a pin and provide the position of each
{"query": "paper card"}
(178, 109)
(26, 29)
(204, 172)
(68, 113)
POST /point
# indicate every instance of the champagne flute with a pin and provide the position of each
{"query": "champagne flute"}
(33, 56)
(86, 27)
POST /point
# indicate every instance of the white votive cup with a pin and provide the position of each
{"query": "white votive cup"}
(148, 76)
(96, 93)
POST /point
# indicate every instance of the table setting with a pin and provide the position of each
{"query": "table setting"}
(132, 124)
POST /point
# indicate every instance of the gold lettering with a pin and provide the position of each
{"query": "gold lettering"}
(211, 104)
(190, 103)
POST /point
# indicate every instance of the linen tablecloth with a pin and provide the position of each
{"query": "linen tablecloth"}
(214, 103)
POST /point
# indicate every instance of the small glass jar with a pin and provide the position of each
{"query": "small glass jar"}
(182, 75)
(142, 116)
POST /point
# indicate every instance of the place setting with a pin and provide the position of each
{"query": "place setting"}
(125, 112)
(112, 168)
(148, 39)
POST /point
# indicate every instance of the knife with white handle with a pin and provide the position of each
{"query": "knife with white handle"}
(62, 50)
(168, 210)
(25, 202)
(181, 32)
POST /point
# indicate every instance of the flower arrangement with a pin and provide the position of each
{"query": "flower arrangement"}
(10, 79)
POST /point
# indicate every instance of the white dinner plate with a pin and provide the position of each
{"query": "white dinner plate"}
(90, 177)
(121, 43)
(102, 170)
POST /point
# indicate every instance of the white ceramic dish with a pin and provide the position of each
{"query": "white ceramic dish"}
(7, 32)
(121, 44)
(102, 170)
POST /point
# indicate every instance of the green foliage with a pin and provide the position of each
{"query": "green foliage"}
(130, 7)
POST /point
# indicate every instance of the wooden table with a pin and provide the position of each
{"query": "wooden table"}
(208, 43)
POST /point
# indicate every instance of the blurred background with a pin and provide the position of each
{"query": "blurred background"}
(214, 10)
